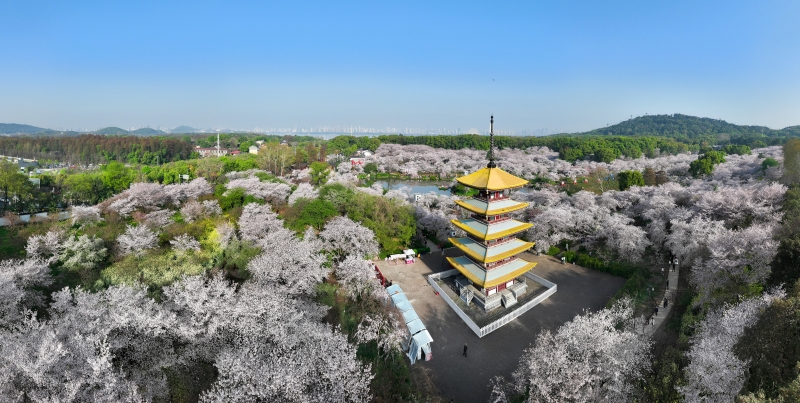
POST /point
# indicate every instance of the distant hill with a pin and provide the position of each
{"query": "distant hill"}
(56, 133)
(14, 128)
(689, 128)
(183, 129)
(112, 130)
(146, 131)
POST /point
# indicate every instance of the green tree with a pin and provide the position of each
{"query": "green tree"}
(701, 167)
(769, 162)
(13, 182)
(649, 175)
(771, 347)
(393, 223)
(116, 177)
(244, 146)
(370, 168)
(791, 161)
(84, 188)
(630, 178)
(607, 155)
(319, 173)
(716, 157)
(705, 164)
(305, 213)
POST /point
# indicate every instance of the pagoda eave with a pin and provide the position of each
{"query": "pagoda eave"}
(482, 254)
(491, 278)
(481, 207)
(482, 230)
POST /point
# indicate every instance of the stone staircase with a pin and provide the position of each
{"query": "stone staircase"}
(509, 299)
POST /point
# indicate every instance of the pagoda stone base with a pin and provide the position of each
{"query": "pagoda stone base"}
(506, 298)
(475, 316)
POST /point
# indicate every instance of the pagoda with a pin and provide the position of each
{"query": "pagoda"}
(492, 271)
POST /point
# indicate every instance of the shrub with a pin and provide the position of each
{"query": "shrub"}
(153, 270)
(554, 250)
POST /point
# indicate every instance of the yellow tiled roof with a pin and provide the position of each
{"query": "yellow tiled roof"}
(493, 277)
(496, 207)
(482, 254)
(491, 231)
(491, 179)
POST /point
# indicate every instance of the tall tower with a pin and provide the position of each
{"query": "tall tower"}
(490, 262)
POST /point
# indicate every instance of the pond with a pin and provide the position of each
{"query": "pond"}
(417, 187)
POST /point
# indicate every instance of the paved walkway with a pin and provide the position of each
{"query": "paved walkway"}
(670, 293)
(466, 379)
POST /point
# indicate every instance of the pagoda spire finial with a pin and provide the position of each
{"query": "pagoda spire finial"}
(491, 144)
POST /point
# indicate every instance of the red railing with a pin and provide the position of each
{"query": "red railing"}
(480, 218)
(497, 197)
(379, 275)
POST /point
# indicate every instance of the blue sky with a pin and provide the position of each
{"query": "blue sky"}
(559, 65)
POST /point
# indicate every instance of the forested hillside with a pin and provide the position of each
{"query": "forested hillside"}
(91, 148)
(13, 128)
(693, 129)
(111, 130)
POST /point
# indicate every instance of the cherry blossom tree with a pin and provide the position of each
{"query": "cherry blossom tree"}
(85, 214)
(740, 257)
(624, 239)
(434, 222)
(179, 192)
(290, 360)
(195, 210)
(357, 276)
(137, 240)
(278, 352)
(185, 243)
(343, 236)
(225, 233)
(83, 252)
(151, 196)
(270, 191)
(211, 208)
(375, 190)
(595, 357)
(295, 265)
(688, 239)
(303, 191)
(714, 373)
(386, 328)
(257, 221)
(159, 219)
(47, 247)
(140, 196)
(191, 211)
(104, 346)
(16, 279)
(550, 227)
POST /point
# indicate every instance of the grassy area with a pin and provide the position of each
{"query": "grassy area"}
(12, 246)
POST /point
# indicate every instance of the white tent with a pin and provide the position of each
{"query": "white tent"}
(418, 341)
(410, 315)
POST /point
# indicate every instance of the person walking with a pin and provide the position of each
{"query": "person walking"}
(465, 349)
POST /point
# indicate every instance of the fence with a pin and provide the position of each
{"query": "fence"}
(26, 218)
(447, 273)
(483, 331)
